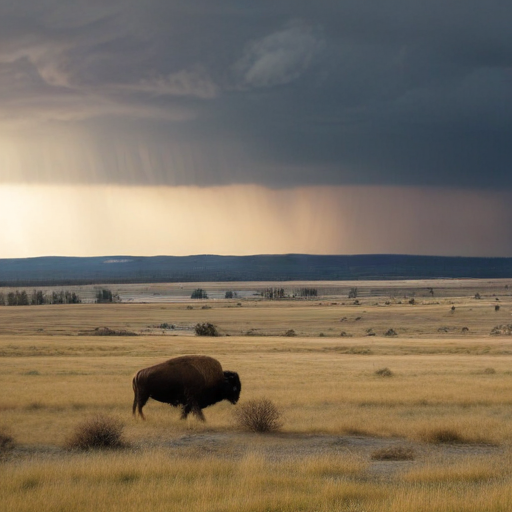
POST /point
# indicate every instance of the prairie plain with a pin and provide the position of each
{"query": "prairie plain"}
(398, 399)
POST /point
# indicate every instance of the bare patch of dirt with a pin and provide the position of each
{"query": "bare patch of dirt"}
(282, 446)
(277, 447)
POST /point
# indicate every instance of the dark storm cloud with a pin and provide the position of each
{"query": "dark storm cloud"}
(279, 93)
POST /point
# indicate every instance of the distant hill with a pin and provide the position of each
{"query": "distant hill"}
(290, 267)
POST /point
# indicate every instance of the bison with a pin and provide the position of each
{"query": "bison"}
(194, 382)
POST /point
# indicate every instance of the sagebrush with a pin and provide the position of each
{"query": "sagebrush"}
(97, 432)
(206, 329)
(6, 441)
(259, 415)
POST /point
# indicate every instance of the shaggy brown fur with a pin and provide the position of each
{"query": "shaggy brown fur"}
(194, 382)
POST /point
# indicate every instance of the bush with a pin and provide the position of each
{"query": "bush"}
(97, 432)
(206, 329)
(489, 371)
(443, 435)
(393, 453)
(6, 441)
(290, 333)
(258, 416)
(384, 372)
(390, 332)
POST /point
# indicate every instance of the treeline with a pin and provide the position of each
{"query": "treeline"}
(279, 293)
(37, 298)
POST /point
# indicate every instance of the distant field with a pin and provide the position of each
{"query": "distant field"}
(448, 374)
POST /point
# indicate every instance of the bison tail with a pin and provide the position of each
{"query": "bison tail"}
(134, 385)
(138, 400)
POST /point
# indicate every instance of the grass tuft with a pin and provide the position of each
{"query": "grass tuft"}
(6, 441)
(259, 416)
(384, 372)
(97, 432)
(443, 436)
(393, 453)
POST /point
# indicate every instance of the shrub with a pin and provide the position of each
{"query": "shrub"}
(290, 332)
(206, 329)
(390, 332)
(489, 371)
(384, 372)
(106, 331)
(6, 441)
(505, 329)
(258, 416)
(443, 435)
(393, 453)
(97, 432)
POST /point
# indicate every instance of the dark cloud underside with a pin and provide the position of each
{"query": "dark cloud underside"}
(279, 93)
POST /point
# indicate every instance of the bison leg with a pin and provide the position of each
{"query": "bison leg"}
(185, 411)
(198, 413)
(192, 408)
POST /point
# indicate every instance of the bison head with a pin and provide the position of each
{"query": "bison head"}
(232, 387)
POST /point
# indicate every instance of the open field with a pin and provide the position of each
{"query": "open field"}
(449, 375)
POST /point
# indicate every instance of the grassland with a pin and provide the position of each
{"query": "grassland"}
(447, 402)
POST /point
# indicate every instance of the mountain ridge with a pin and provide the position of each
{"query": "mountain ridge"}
(61, 270)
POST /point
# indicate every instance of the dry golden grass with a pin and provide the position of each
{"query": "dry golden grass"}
(55, 374)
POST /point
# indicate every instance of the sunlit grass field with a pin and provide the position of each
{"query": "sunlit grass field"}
(336, 409)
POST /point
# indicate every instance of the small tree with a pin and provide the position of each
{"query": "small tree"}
(352, 294)
(199, 293)
(103, 296)
(308, 292)
(58, 297)
(273, 293)
(37, 298)
(22, 298)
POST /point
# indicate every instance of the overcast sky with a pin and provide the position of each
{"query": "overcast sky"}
(409, 98)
